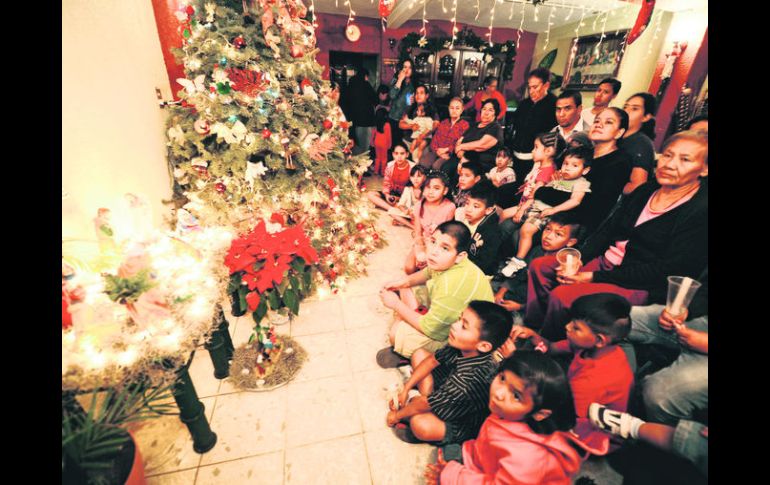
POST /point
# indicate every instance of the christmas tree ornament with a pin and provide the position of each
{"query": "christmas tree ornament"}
(201, 126)
(360, 226)
(327, 124)
(239, 42)
(220, 187)
(248, 82)
(190, 10)
(195, 86)
(223, 88)
(642, 20)
(297, 51)
(266, 133)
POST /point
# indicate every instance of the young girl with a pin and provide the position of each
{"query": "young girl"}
(638, 139)
(396, 178)
(420, 136)
(525, 438)
(502, 173)
(402, 212)
(546, 155)
(432, 210)
(381, 141)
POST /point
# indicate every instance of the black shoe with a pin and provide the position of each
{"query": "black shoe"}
(387, 358)
(404, 433)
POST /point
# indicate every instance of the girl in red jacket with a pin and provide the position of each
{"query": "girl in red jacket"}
(525, 439)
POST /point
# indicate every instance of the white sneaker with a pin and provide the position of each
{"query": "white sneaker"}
(606, 419)
(514, 265)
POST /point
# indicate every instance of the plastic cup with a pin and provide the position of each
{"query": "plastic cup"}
(569, 259)
(681, 290)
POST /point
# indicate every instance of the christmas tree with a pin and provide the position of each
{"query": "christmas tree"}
(258, 132)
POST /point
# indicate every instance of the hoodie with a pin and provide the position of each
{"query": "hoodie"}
(509, 452)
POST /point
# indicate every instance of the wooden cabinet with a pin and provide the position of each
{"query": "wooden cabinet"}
(456, 72)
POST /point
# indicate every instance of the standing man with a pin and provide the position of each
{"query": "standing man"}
(489, 91)
(536, 114)
(361, 108)
(568, 109)
(607, 91)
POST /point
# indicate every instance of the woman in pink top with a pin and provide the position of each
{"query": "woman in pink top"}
(432, 210)
(659, 230)
(525, 440)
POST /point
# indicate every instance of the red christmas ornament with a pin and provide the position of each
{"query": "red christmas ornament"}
(305, 83)
(190, 10)
(328, 124)
(239, 42)
(344, 125)
(332, 275)
(220, 187)
(212, 89)
(247, 81)
(266, 133)
(297, 51)
(642, 20)
(375, 236)
(386, 7)
(360, 226)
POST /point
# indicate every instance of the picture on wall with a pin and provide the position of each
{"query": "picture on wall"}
(594, 59)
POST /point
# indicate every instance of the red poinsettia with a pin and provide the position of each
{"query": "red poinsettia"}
(247, 81)
(263, 259)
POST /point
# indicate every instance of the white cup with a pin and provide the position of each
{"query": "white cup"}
(569, 259)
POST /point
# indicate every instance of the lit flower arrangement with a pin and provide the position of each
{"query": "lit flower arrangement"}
(155, 307)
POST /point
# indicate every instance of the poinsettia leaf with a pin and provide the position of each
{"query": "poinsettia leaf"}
(291, 301)
(298, 264)
(275, 300)
(307, 278)
(261, 311)
(242, 292)
(252, 337)
(295, 284)
(235, 282)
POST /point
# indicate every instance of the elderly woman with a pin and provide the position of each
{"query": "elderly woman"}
(479, 143)
(658, 230)
(445, 137)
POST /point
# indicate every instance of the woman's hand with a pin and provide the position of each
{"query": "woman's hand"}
(668, 322)
(692, 339)
(389, 298)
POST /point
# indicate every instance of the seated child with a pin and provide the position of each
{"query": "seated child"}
(599, 371)
(402, 212)
(564, 192)
(502, 173)
(525, 439)
(420, 136)
(433, 209)
(561, 231)
(453, 381)
(480, 217)
(452, 281)
(468, 175)
(396, 176)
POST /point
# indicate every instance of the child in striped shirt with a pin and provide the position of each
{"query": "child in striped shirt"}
(454, 381)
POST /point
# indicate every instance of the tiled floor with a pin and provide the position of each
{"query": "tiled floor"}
(327, 426)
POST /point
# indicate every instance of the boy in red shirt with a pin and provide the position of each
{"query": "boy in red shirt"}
(599, 372)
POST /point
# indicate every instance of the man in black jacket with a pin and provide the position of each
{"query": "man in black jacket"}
(362, 99)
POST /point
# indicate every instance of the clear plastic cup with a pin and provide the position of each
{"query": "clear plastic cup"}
(569, 259)
(681, 290)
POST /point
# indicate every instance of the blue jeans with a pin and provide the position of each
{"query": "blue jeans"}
(691, 445)
(677, 391)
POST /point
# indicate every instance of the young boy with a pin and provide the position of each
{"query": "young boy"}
(480, 217)
(452, 281)
(453, 382)
(469, 175)
(561, 194)
(561, 231)
(599, 371)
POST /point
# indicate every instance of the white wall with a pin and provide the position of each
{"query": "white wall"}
(113, 138)
(638, 64)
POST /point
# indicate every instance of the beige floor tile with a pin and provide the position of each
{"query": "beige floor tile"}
(371, 391)
(248, 423)
(363, 311)
(326, 356)
(336, 462)
(263, 470)
(318, 316)
(166, 445)
(186, 477)
(202, 374)
(321, 410)
(363, 344)
(394, 462)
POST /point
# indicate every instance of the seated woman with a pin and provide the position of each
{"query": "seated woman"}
(489, 92)
(638, 138)
(479, 143)
(658, 230)
(445, 137)
(610, 169)
(418, 122)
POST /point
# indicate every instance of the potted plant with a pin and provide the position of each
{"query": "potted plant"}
(96, 446)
